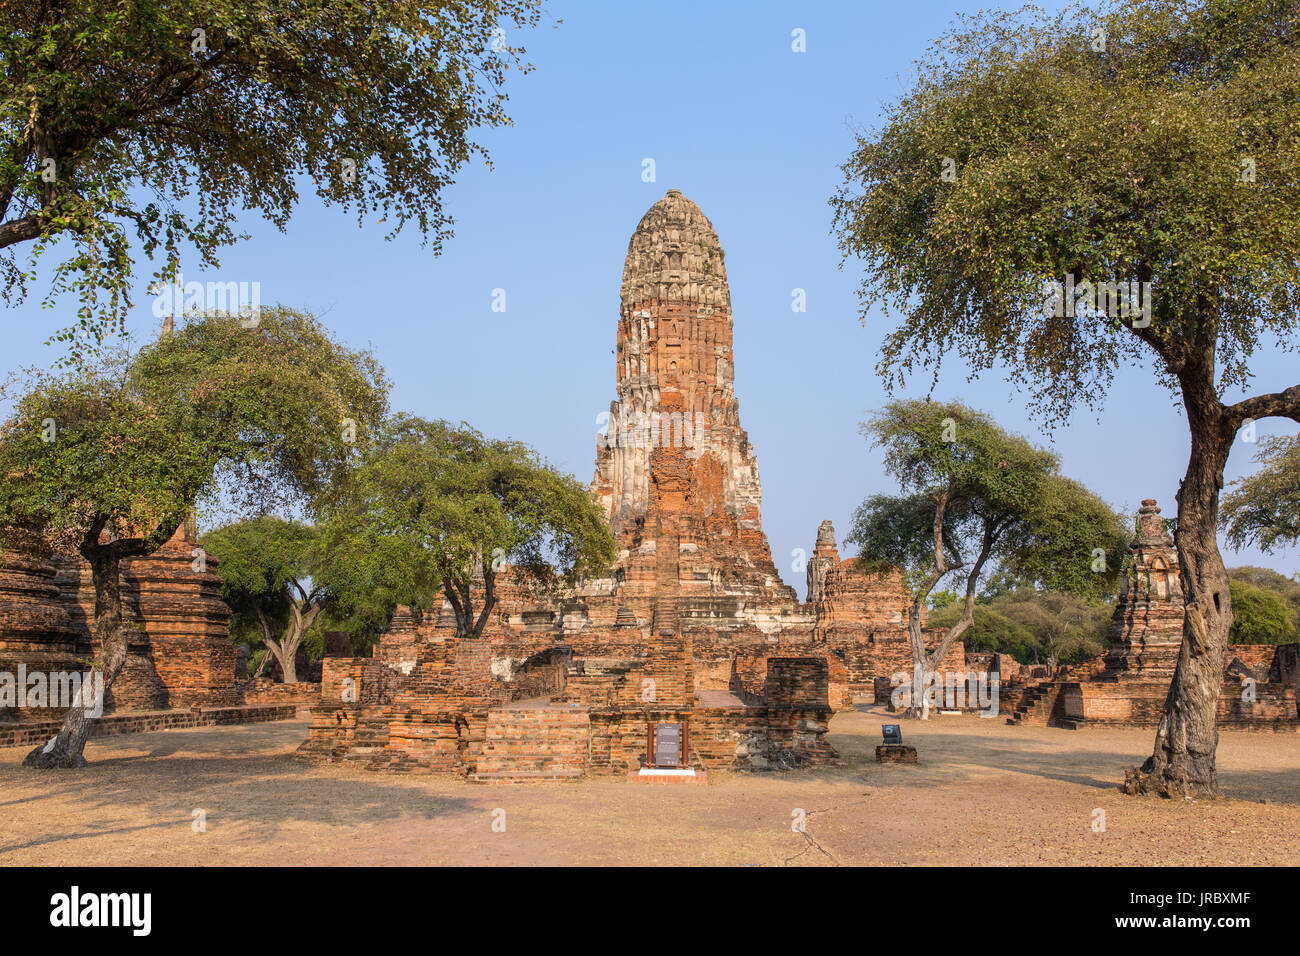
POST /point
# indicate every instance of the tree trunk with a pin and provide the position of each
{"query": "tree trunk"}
(489, 597)
(65, 749)
(919, 705)
(261, 665)
(289, 665)
(288, 672)
(1182, 764)
(460, 594)
(460, 597)
(924, 665)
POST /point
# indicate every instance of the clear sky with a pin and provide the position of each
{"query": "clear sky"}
(752, 131)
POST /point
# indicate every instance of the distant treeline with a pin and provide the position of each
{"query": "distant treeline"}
(1033, 626)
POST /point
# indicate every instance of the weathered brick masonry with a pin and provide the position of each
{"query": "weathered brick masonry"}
(180, 661)
(693, 626)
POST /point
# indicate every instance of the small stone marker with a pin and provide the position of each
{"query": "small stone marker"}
(893, 750)
(895, 753)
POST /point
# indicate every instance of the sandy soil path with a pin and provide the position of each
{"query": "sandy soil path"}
(983, 794)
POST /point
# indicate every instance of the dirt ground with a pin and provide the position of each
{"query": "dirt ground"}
(983, 793)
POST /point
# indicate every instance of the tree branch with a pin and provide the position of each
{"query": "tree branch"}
(1284, 404)
(21, 230)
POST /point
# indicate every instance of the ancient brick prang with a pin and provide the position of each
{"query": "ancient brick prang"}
(674, 444)
(693, 626)
(1147, 628)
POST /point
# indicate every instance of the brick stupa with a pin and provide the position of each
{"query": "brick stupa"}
(691, 654)
(675, 447)
(674, 468)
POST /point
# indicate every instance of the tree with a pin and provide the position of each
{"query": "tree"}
(450, 509)
(1261, 614)
(1264, 508)
(271, 578)
(370, 572)
(1065, 194)
(106, 460)
(975, 499)
(161, 120)
(991, 630)
(942, 599)
(1288, 589)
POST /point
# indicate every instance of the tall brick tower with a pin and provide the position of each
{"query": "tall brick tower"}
(675, 464)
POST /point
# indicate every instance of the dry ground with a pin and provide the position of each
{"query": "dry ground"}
(984, 793)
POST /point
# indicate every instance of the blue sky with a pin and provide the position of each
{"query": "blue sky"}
(754, 133)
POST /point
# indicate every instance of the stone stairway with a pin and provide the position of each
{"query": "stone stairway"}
(534, 744)
(370, 736)
(1036, 705)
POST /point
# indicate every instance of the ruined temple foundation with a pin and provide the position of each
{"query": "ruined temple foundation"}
(692, 644)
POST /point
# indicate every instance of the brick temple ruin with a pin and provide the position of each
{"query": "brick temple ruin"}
(693, 635)
(180, 669)
(1127, 685)
(691, 655)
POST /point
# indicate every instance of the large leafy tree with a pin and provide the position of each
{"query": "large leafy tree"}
(369, 574)
(271, 578)
(1264, 508)
(976, 499)
(444, 507)
(106, 460)
(1150, 143)
(154, 122)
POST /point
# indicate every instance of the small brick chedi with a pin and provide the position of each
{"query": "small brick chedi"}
(693, 644)
(1128, 685)
(180, 657)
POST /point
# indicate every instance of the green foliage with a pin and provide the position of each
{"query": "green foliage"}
(286, 408)
(1266, 605)
(1004, 501)
(1033, 625)
(1125, 164)
(942, 599)
(371, 571)
(137, 439)
(440, 506)
(1000, 582)
(992, 631)
(1288, 588)
(160, 136)
(263, 563)
(1264, 508)
(86, 452)
(1070, 541)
